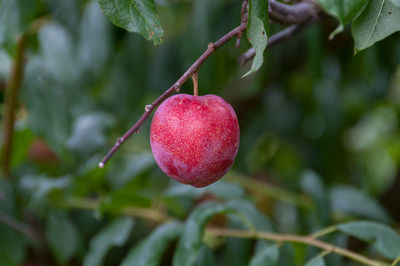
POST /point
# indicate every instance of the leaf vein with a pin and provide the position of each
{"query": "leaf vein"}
(376, 21)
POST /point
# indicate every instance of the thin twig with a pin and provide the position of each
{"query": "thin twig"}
(397, 260)
(243, 15)
(12, 88)
(11, 96)
(93, 204)
(281, 238)
(193, 68)
(16, 225)
(324, 231)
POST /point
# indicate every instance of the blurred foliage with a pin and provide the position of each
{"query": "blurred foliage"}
(318, 125)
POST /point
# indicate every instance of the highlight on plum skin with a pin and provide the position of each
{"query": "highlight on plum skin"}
(195, 139)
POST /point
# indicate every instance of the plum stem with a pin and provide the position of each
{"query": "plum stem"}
(298, 13)
(195, 78)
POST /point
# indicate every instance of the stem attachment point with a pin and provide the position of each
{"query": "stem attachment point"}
(195, 78)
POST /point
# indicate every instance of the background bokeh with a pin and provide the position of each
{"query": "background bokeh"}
(320, 135)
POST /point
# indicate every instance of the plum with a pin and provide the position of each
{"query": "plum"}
(195, 139)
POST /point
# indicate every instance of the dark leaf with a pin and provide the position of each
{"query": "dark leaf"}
(62, 237)
(135, 16)
(379, 19)
(149, 251)
(382, 237)
(115, 234)
(257, 30)
(266, 256)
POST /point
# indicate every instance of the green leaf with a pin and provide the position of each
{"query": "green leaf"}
(88, 132)
(257, 28)
(350, 200)
(344, 10)
(23, 138)
(49, 99)
(312, 184)
(205, 257)
(135, 16)
(317, 261)
(114, 234)
(250, 214)
(150, 250)
(191, 240)
(266, 256)
(15, 15)
(222, 189)
(378, 20)
(40, 186)
(59, 227)
(94, 39)
(396, 2)
(383, 238)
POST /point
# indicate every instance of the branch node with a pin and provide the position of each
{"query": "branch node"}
(211, 46)
(148, 107)
(119, 141)
(239, 36)
(177, 87)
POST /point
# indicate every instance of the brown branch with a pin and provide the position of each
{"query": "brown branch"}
(12, 88)
(92, 204)
(193, 68)
(243, 15)
(18, 226)
(292, 14)
(11, 95)
(281, 36)
(281, 238)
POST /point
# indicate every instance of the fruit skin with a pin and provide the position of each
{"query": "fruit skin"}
(195, 139)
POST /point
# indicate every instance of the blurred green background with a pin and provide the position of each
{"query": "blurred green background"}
(320, 135)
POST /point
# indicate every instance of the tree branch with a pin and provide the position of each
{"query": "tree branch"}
(18, 226)
(292, 14)
(174, 88)
(11, 97)
(281, 238)
(12, 88)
